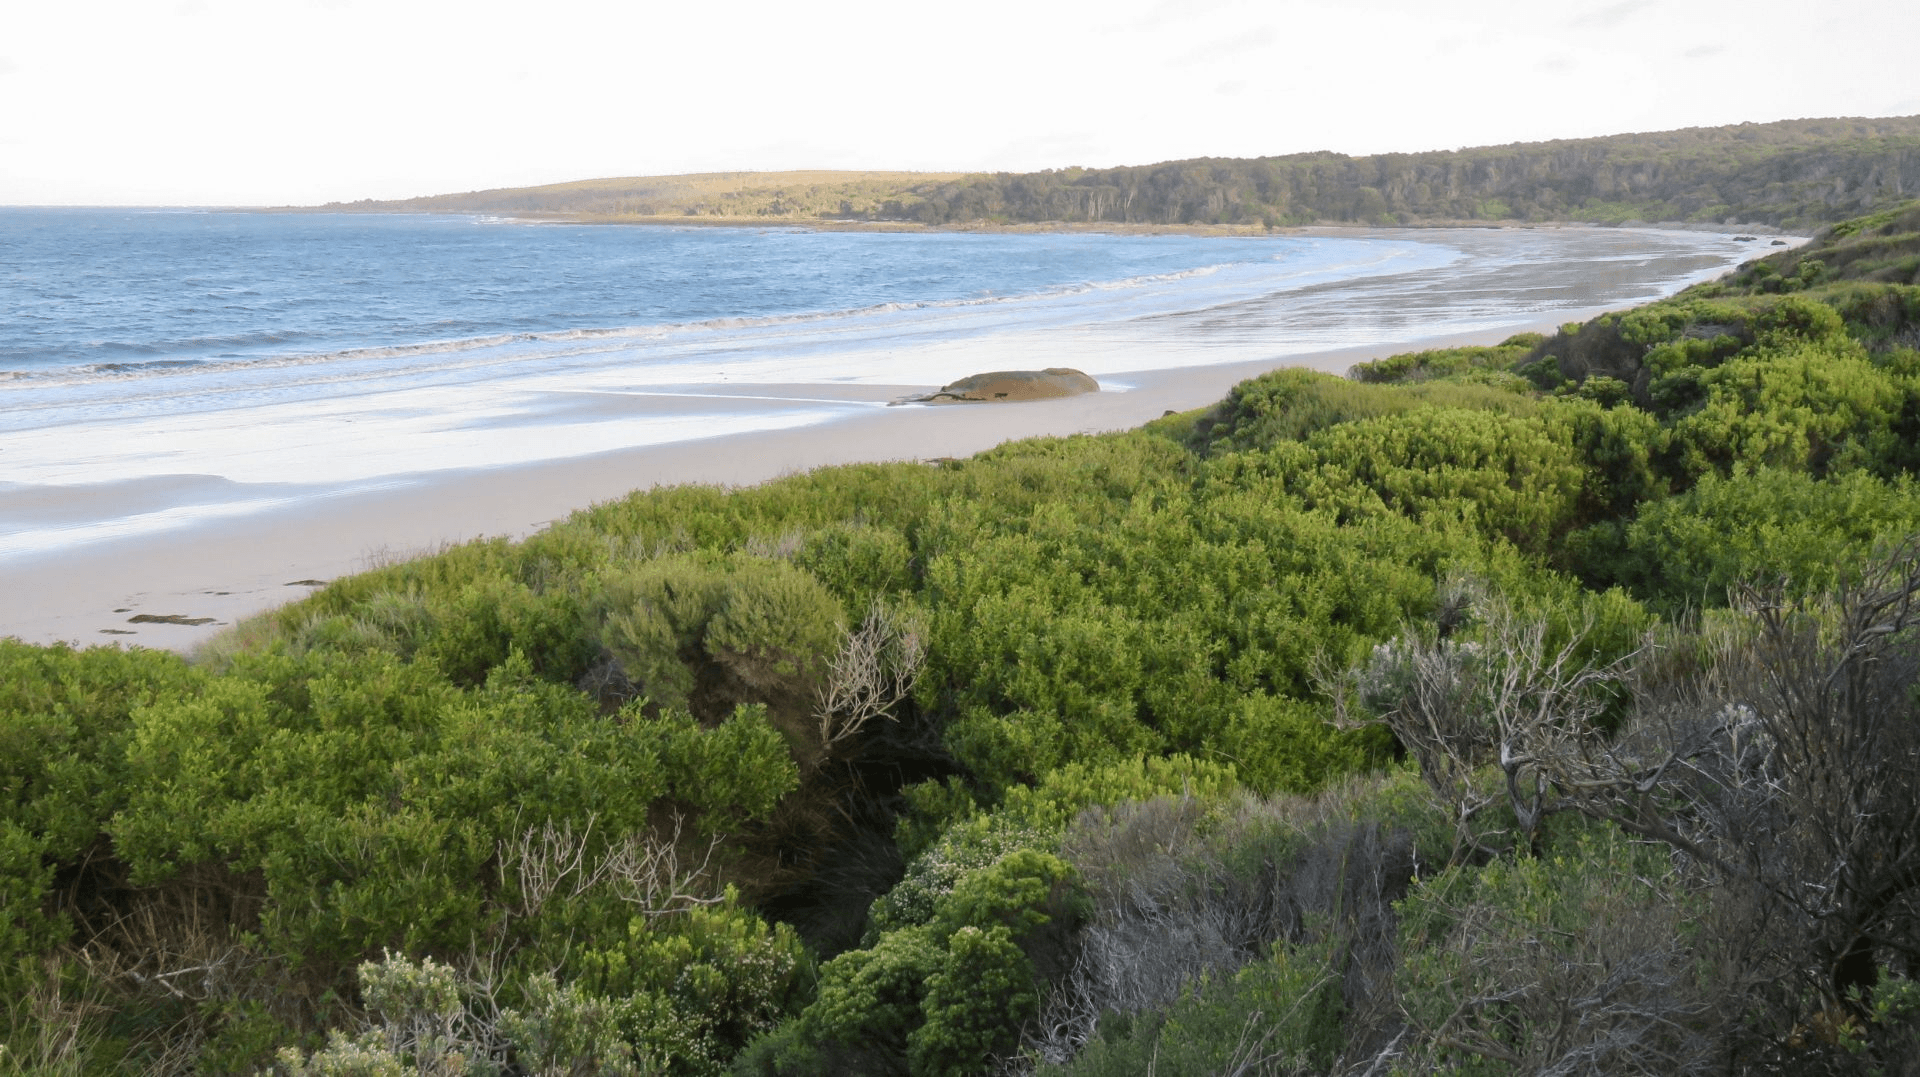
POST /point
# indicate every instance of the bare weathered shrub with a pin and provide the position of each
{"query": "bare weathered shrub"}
(179, 954)
(872, 674)
(1773, 754)
(1513, 698)
(781, 547)
(1787, 772)
(1184, 893)
(646, 870)
(1583, 964)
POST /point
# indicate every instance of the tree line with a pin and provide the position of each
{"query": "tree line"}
(1796, 174)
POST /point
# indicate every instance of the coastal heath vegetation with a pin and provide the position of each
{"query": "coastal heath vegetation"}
(1547, 707)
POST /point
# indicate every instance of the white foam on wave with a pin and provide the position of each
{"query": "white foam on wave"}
(410, 442)
(356, 440)
(1298, 267)
(25, 542)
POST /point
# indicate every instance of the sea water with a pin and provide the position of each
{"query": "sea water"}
(181, 365)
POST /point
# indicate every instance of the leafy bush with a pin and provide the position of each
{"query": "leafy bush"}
(66, 718)
(1767, 525)
(1279, 1016)
(975, 1003)
(1505, 476)
(1818, 410)
(708, 634)
(1448, 362)
(868, 1004)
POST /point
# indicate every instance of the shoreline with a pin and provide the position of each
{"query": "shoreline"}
(202, 579)
(292, 527)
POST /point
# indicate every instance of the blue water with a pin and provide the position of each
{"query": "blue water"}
(118, 291)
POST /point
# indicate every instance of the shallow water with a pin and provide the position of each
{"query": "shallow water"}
(161, 368)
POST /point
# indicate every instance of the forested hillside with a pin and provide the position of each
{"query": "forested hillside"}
(1792, 175)
(1796, 174)
(1547, 707)
(803, 195)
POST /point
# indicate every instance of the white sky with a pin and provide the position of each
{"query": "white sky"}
(305, 101)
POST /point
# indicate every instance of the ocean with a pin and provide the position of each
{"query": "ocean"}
(186, 365)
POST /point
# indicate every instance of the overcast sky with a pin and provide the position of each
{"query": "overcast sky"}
(250, 102)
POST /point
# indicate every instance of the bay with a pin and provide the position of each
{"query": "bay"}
(163, 368)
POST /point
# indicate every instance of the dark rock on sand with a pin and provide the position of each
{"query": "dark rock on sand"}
(1055, 381)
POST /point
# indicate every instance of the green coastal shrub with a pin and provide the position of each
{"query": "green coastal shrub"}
(66, 717)
(1815, 409)
(775, 629)
(1064, 793)
(870, 999)
(1067, 664)
(654, 622)
(1068, 643)
(492, 619)
(732, 774)
(1024, 891)
(372, 808)
(419, 1026)
(1291, 405)
(949, 973)
(963, 851)
(1286, 405)
(1033, 816)
(975, 1003)
(691, 991)
(707, 634)
(1506, 476)
(1621, 448)
(1448, 362)
(558, 1029)
(1286, 745)
(1278, 1016)
(859, 562)
(1762, 526)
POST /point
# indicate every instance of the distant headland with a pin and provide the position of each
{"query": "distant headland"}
(1791, 175)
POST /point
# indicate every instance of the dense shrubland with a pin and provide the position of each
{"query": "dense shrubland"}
(1540, 708)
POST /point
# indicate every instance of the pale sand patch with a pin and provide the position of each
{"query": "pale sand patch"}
(231, 570)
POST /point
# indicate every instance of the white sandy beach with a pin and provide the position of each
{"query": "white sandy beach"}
(218, 571)
(231, 570)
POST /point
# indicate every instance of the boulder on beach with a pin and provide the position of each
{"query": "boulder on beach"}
(1055, 381)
